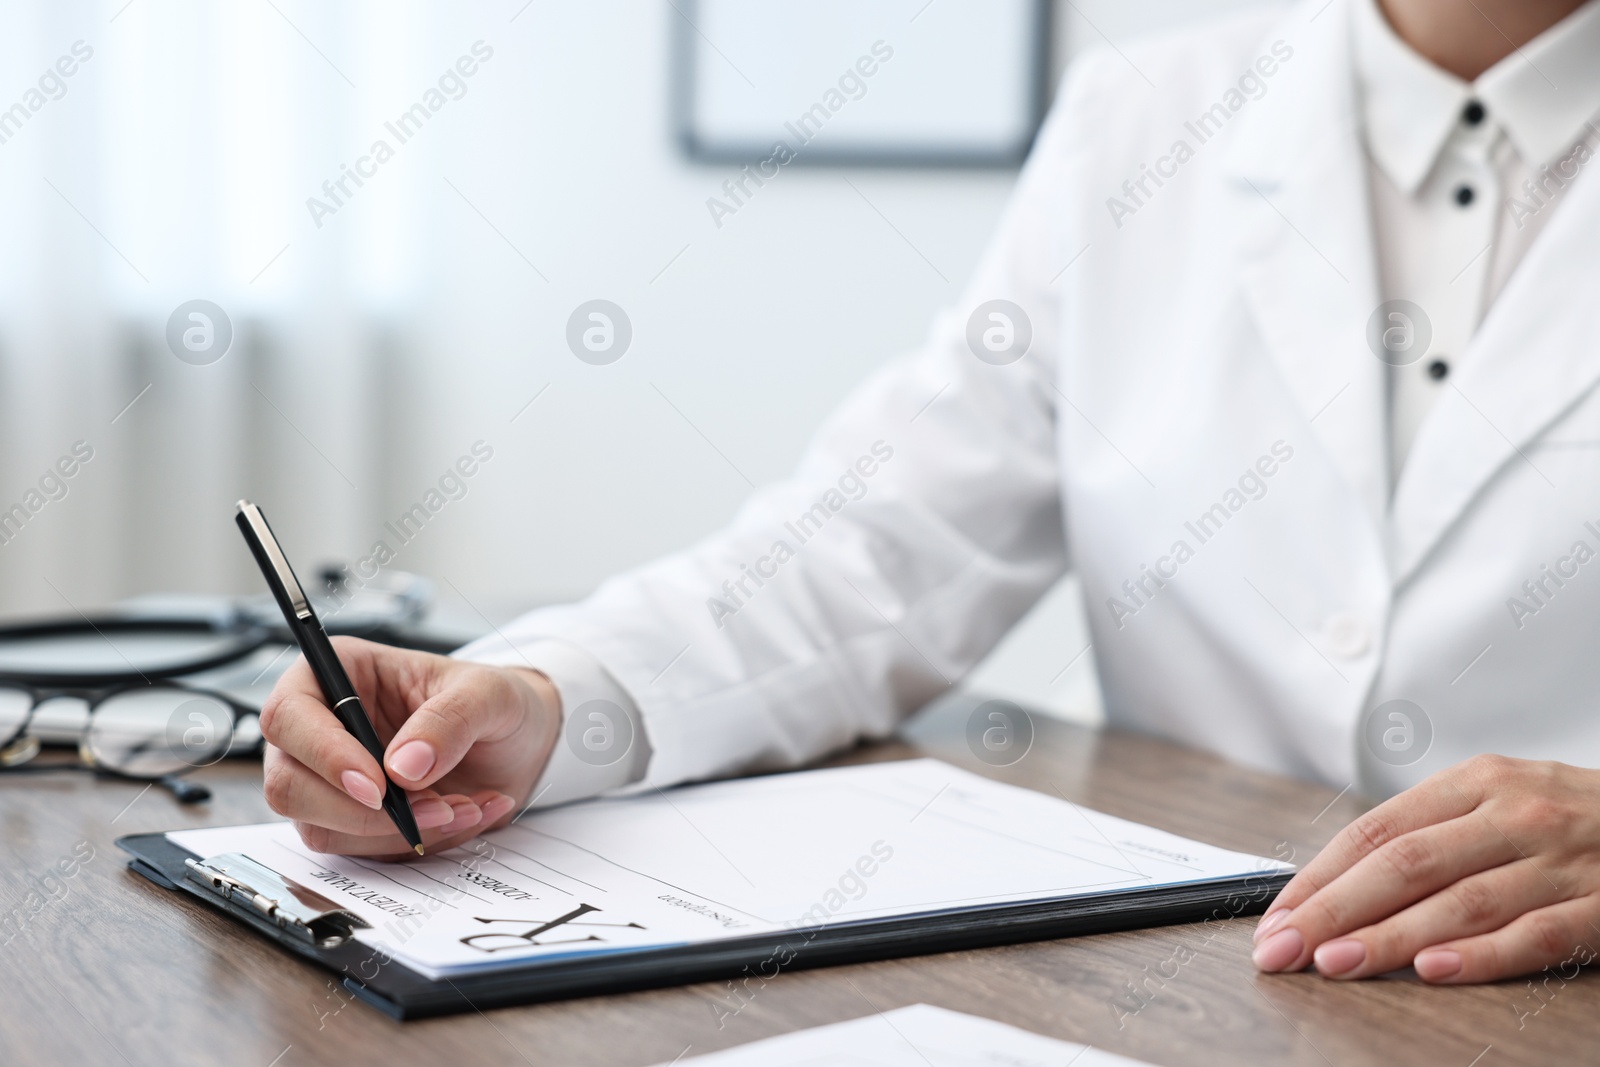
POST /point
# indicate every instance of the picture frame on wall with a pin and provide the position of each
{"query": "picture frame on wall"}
(928, 83)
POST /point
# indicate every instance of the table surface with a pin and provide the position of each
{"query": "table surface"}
(113, 970)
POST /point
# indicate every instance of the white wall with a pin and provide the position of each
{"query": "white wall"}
(415, 322)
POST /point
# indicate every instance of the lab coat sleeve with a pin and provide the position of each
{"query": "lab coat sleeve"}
(602, 745)
(923, 521)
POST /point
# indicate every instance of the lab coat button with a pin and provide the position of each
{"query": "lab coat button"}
(1347, 635)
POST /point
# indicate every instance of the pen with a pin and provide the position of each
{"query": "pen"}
(313, 641)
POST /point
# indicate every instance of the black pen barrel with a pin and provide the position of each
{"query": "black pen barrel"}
(354, 719)
(331, 676)
(324, 662)
(399, 809)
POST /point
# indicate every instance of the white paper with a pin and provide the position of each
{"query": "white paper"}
(918, 1036)
(730, 859)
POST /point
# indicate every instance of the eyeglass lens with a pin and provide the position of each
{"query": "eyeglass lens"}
(14, 707)
(158, 731)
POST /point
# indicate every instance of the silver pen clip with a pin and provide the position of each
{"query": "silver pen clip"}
(280, 563)
(295, 909)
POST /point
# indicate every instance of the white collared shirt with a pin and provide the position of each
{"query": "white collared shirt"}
(1456, 203)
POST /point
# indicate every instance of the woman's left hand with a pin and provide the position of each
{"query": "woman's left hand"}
(1489, 869)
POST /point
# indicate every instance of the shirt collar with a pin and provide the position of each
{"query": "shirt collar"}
(1542, 94)
(1546, 91)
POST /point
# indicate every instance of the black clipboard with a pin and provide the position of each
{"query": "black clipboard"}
(309, 925)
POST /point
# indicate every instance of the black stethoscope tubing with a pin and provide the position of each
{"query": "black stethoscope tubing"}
(244, 638)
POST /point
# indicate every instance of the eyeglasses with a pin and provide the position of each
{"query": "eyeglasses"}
(112, 687)
(152, 731)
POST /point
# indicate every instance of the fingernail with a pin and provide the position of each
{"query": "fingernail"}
(497, 806)
(412, 760)
(431, 813)
(1269, 924)
(1340, 957)
(362, 788)
(1279, 950)
(465, 815)
(1437, 964)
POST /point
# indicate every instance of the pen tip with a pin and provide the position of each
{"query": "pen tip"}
(418, 848)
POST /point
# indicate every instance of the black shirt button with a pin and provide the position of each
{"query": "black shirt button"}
(1438, 369)
(1473, 113)
(1464, 195)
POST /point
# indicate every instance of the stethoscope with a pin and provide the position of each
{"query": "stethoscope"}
(198, 644)
(120, 649)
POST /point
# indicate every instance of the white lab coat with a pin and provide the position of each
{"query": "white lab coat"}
(1218, 329)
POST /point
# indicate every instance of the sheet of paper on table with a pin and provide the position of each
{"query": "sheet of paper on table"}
(918, 1036)
(731, 859)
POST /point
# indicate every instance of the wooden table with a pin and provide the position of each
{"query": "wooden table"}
(114, 970)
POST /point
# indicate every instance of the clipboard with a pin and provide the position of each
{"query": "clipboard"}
(310, 925)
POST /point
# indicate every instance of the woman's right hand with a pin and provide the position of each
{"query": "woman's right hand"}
(466, 741)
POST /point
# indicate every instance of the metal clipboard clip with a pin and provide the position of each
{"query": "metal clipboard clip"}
(299, 911)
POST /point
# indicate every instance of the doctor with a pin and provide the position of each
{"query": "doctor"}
(1288, 346)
